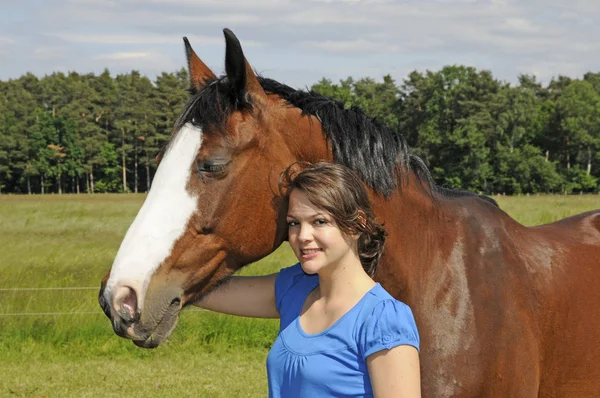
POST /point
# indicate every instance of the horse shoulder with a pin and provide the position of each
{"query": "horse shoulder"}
(480, 310)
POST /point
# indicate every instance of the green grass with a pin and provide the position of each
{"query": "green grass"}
(543, 209)
(70, 240)
(211, 371)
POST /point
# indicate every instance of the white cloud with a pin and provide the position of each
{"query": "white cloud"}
(139, 39)
(326, 17)
(336, 1)
(351, 46)
(103, 3)
(546, 70)
(6, 41)
(123, 55)
(520, 25)
(125, 61)
(218, 19)
(229, 4)
(330, 37)
(132, 38)
(455, 1)
(49, 52)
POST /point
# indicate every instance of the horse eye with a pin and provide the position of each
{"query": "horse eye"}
(212, 166)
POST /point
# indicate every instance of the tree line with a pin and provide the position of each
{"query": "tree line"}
(72, 133)
(85, 133)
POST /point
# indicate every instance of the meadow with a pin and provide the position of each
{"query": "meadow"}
(67, 347)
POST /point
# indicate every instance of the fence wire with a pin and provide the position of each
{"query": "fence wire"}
(74, 313)
(30, 289)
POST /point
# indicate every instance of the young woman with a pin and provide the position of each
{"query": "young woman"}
(341, 334)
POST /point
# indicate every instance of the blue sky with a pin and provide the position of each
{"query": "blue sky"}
(299, 41)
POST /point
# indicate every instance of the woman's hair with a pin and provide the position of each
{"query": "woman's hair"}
(340, 192)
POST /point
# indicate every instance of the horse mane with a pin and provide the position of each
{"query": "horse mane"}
(376, 152)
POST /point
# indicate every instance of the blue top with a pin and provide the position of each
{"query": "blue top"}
(332, 363)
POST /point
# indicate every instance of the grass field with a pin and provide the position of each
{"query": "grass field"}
(69, 241)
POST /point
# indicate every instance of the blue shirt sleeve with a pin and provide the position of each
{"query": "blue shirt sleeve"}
(390, 324)
(285, 280)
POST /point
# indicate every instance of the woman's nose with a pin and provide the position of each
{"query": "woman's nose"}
(305, 233)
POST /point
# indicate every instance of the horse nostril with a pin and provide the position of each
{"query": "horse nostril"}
(126, 303)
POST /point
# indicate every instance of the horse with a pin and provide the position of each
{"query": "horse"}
(503, 310)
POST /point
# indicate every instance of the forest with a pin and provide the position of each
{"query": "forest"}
(78, 133)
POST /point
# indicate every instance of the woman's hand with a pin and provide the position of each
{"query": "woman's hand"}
(251, 296)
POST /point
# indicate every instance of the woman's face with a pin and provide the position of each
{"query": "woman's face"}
(314, 236)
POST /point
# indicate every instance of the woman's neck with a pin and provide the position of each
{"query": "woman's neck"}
(345, 280)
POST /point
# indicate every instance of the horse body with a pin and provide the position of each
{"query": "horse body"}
(474, 335)
(502, 309)
(571, 336)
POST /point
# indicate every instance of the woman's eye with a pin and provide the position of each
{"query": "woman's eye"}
(292, 224)
(321, 221)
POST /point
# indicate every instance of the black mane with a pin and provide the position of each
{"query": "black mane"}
(377, 153)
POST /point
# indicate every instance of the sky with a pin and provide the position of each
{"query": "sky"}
(298, 42)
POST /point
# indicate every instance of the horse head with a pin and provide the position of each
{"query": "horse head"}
(213, 205)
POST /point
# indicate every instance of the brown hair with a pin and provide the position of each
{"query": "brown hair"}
(340, 192)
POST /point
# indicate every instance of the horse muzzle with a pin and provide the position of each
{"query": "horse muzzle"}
(147, 327)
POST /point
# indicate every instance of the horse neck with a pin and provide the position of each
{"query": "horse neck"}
(419, 229)
(417, 225)
(303, 136)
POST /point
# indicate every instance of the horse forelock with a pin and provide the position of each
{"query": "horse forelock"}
(210, 107)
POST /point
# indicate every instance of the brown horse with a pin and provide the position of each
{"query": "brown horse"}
(503, 310)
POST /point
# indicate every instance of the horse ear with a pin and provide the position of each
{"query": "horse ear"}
(199, 72)
(238, 70)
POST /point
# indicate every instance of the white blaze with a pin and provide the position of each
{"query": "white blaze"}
(162, 219)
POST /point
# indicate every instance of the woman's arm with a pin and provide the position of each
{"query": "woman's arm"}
(395, 372)
(252, 296)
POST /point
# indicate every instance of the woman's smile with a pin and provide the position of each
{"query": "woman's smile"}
(309, 254)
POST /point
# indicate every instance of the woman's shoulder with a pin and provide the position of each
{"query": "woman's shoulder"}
(380, 301)
(286, 280)
(378, 293)
(385, 322)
